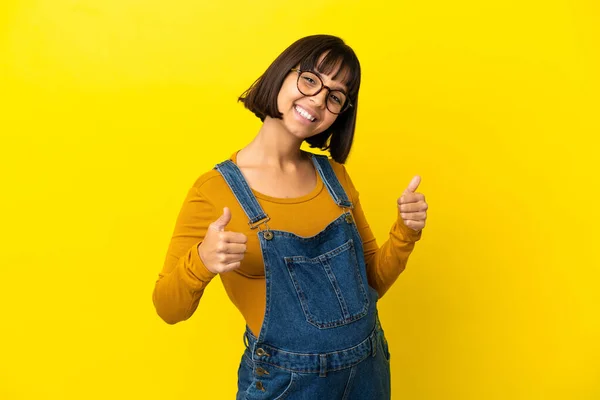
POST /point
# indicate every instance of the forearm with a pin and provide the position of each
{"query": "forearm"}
(177, 293)
(387, 263)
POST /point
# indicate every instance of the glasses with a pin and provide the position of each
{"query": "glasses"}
(311, 84)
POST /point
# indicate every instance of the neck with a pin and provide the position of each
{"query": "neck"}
(274, 146)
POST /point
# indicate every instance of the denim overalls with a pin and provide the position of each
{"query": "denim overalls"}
(320, 337)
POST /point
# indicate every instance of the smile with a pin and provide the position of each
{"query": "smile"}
(304, 113)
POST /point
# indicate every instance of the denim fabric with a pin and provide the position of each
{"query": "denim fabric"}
(320, 337)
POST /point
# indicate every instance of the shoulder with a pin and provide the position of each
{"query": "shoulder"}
(211, 181)
(210, 185)
(339, 169)
(207, 179)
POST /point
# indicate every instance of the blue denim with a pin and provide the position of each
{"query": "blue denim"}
(321, 337)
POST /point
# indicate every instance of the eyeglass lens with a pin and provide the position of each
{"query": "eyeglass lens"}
(309, 84)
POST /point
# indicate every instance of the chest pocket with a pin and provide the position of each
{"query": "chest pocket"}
(330, 287)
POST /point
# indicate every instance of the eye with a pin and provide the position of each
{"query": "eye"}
(309, 80)
(335, 98)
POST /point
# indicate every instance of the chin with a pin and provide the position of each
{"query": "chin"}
(301, 135)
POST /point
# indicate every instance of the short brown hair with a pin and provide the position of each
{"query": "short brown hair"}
(261, 97)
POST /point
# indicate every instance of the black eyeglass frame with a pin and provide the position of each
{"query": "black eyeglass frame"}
(345, 107)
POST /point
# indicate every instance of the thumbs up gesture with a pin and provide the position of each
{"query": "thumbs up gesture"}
(412, 206)
(222, 251)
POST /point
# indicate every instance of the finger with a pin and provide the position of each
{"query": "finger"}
(234, 248)
(229, 258)
(232, 266)
(414, 225)
(413, 185)
(234, 237)
(222, 221)
(411, 198)
(414, 216)
(413, 207)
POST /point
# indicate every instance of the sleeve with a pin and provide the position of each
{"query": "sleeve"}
(385, 263)
(184, 277)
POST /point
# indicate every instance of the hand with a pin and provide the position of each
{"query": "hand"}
(222, 251)
(412, 206)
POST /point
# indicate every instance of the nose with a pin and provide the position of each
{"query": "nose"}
(320, 98)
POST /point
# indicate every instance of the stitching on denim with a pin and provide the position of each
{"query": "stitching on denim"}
(230, 171)
(349, 383)
(332, 182)
(326, 180)
(299, 292)
(289, 387)
(347, 317)
(336, 288)
(361, 284)
(325, 256)
(364, 345)
(264, 327)
(248, 361)
(316, 370)
(385, 351)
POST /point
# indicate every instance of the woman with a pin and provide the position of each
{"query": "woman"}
(292, 245)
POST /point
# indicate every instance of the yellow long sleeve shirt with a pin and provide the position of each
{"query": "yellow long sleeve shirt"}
(184, 277)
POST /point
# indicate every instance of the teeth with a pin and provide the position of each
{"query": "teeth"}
(305, 114)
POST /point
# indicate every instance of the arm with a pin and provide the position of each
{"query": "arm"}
(385, 263)
(184, 277)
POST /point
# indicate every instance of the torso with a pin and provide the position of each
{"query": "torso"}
(276, 183)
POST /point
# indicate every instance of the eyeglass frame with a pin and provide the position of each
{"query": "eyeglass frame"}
(346, 106)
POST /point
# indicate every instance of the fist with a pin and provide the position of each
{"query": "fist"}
(412, 206)
(222, 251)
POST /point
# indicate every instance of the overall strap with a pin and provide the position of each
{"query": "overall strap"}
(331, 181)
(242, 192)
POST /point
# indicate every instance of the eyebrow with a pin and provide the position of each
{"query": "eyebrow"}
(336, 87)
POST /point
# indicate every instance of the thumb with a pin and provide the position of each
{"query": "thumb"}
(413, 185)
(223, 220)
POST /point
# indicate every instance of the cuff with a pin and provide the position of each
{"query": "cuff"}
(198, 268)
(408, 233)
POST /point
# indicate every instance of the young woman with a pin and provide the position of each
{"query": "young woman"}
(285, 231)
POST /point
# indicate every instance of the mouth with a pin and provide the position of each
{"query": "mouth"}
(304, 114)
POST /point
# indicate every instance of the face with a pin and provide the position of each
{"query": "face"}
(306, 116)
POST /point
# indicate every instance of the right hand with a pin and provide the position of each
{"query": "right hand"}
(222, 251)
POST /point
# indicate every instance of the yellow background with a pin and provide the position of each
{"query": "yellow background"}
(110, 109)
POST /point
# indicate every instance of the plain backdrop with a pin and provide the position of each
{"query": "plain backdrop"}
(110, 110)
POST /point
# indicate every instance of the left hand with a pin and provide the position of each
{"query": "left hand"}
(412, 206)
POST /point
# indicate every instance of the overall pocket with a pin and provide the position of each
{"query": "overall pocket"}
(330, 287)
(270, 383)
(245, 376)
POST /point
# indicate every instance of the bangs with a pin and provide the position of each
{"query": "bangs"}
(323, 54)
(340, 62)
